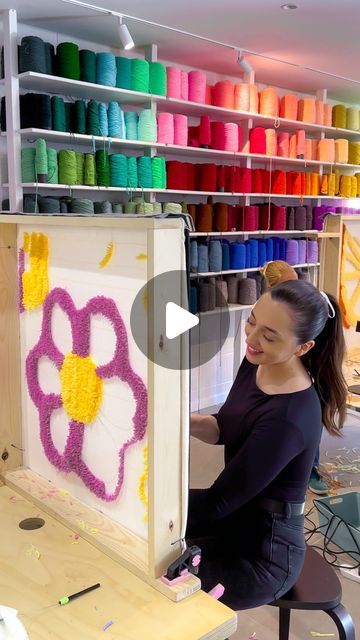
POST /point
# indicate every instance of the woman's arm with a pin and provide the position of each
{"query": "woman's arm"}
(204, 428)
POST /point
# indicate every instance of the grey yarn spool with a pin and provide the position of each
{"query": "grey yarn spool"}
(257, 277)
(117, 207)
(212, 294)
(247, 291)
(290, 215)
(81, 205)
(31, 203)
(203, 297)
(304, 275)
(130, 207)
(309, 217)
(104, 206)
(49, 205)
(300, 218)
(233, 289)
(63, 207)
(221, 293)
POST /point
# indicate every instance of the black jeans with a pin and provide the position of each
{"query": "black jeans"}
(256, 555)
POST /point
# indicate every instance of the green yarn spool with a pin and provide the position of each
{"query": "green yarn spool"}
(140, 75)
(80, 116)
(81, 205)
(131, 125)
(28, 165)
(132, 172)
(339, 116)
(158, 173)
(87, 66)
(102, 168)
(68, 106)
(145, 176)
(41, 162)
(354, 152)
(53, 174)
(92, 119)
(157, 79)
(117, 207)
(147, 126)
(80, 162)
(67, 167)
(58, 114)
(118, 170)
(68, 60)
(89, 170)
(130, 207)
(123, 72)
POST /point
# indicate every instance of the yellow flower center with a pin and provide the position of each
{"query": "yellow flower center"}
(81, 388)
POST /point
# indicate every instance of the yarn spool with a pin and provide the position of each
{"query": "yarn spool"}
(215, 255)
(225, 247)
(257, 181)
(271, 142)
(197, 86)
(106, 69)
(302, 251)
(157, 78)
(265, 217)
(262, 256)
(131, 125)
(242, 96)
(315, 184)
(35, 111)
(308, 149)
(353, 186)
(79, 111)
(292, 146)
(41, 162)
(102, 168)
(87, 66)
(32, 55)
(212, 294)
(177, 175)
(331, 184)
(207, 177)
(345, 186)
(254, 253)
(92, 118)
(352, 118)
(49, 58)
(52, 162)
(307, 110)
(328, 115)
(233, 288)
(218, 135)
(116, 121)
(309, 217)
(103, 207)
(117, 207)
(130, 208)
(269, 249)
(339, 116)
(203, 258)
(193, 300)
(223, 94)
(326, 150)
(300, 219)
(204, 218)
(68, 60)
(221, 222)
(103, 120)
(123, 72)
(250, 218)
(180, 129)
(341, 150)
(278, 218)
(221, 293)
(49, 205)
(292, 252)
(237, 256)
(269, 102)
(203, 299)
(357, 176)
(58, 113)
(209, 94)
(320, 112)
(28, 165)
(140, 75)
(289, 107)
(290, 218)
(173, 82)
(166, 128)
(312, 253)
(158, 167)
(300, 143)
(244, 176)
(247, 291)
(80, 159)
(147, 126)
(145, 176)
(283, 140)
(194, 258)
(67, 167)
(278, 182)
(257, 140)
(191, 208)
(184, 85)
(231, 132)
(354, 152)
(324, 185)
(89, 170)
(118, 170)
(81, 205)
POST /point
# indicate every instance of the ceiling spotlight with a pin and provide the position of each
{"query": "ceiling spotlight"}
(244, 64)
(124, 35)
(289, 6)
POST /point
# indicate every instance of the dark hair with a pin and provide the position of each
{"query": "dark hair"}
(324, 361)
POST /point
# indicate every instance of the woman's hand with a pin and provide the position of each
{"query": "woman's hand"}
(204, 428)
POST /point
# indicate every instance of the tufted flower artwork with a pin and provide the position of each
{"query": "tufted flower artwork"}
(33, 283)
(81, 386)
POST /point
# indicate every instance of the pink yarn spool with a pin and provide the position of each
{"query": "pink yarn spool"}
(251, 218)
(271, 142)
(184, 92)
(173, 82)
(300, 143)
(257, 139)
(166, 128)
(197, 86)
(218, 135)
(231, 137)
(292, 146)
(283, 140)
(224, 94)
(180, 129)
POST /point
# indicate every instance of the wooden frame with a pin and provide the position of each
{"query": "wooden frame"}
(168, 451)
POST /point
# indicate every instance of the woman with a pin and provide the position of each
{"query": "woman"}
(249, 523)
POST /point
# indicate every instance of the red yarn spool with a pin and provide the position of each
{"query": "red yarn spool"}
(221, 178)
(221, 217)
(251, 218)
(257, 181)
(264, 217)
(278, 218)
(190, 176)
(240, 132)
(230, 175)
(223, 95)
(265, 181)
(194, 133)
(209, 94)
(257, 139)
(205, 131)
(295, 183)
(245, 176)
(204, 217)
(218, 135)
(176, 174)
(278, 182)
(236, 217)
(207, 177)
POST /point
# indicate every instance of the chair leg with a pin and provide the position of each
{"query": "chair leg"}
(284, 624)
(343, 621)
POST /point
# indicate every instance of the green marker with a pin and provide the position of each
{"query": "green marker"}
(67, 599)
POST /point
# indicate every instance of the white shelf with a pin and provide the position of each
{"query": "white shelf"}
(195, 234)
(229, 307)
(252, 269)
(173, 149)
(76, 187)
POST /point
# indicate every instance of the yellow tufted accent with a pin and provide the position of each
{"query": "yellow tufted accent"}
(35, 281)
(81, 388)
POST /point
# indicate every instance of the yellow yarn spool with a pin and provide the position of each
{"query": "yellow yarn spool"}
(331, 184)
(339, 116)
(352, 118)
(324, 185)
(354, 152)
(357, 176)
(353, 186)
(341, 150)
(315, 184)
(337, 181)
(308, 184)
(345, 186)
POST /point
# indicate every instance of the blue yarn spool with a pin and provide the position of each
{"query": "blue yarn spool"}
(118, 170)
(193, 256)
(103, 120)
(269, 250)
(282, 252)
(193, 300)
(116, 121)
(145, 177)
(247, 255)
(237, 255)
(132, 172)
(215, 256)
(131, 125)
(32, 55)
(262, 253)
(203, 258)
(254, 253)
(302, 251)
(106, 69)
(292, 252)
(276, 245)
(123, 72)
(225, 255)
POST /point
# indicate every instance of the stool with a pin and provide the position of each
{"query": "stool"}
(318, 589)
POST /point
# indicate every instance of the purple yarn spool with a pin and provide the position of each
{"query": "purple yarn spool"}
(309, 217)
(300, 218)
(302, 251)
(290, 215)
(292, 252)
(312, 251)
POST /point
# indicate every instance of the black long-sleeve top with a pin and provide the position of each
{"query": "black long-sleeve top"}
(270, 443)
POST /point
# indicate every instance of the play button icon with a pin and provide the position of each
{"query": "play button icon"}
(178, 320)
(167, 333)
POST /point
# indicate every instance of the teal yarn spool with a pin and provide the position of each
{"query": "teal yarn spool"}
(89, 170)
(31, 204)
(49, 205)
(130, 208)
(58, 114)
(131, 125)
(80, 116)
(41, 162)
(147, 126)
(53, 174)
(145, 176)
(88, 66)
(158, 173)
(157, 78)
(104, 206)
(140, 75)
(28, 164)
(103, 119)
(80, 162)
(81, 205)
(68, 116)
(132, 172)
(118, 170)
(67, 167)
(123, 72)
(68, 60)
(32, 55)
(49, 58)
(92, 119)
(116, 121)
(106, 69)
(102, 168)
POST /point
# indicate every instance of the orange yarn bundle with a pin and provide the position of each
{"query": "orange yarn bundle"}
(320, 112)
(326, 150)
(307, 110)
(328, 115)
(269, 102)
(300, 143)
(278, 182)
(283, 140)
(223, 94)
(341, 150)
(271, 142)
(315, 184)
(292, 146)
(289, 107)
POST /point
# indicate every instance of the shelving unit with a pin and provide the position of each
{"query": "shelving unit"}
(249, 270)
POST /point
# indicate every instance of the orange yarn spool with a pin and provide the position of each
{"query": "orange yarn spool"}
(320, 112)
(308, 184)
(300, 143)
(191, 208)
(278, 182)
(353, 186)
(204, 217)
(326, 150)
(289, 107)
(337, 181)
(314, 145)
(307, 110)
(341, 150)
(271, 142)
(324, 185)
(209, 94)
(221, 218)
(283, 141)
(269, 102)
(308, 149)
(292, 146)
(254, 99)
(328, 115)
(223, 94)
(296, 183)
(315, 184)
(331, 184)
